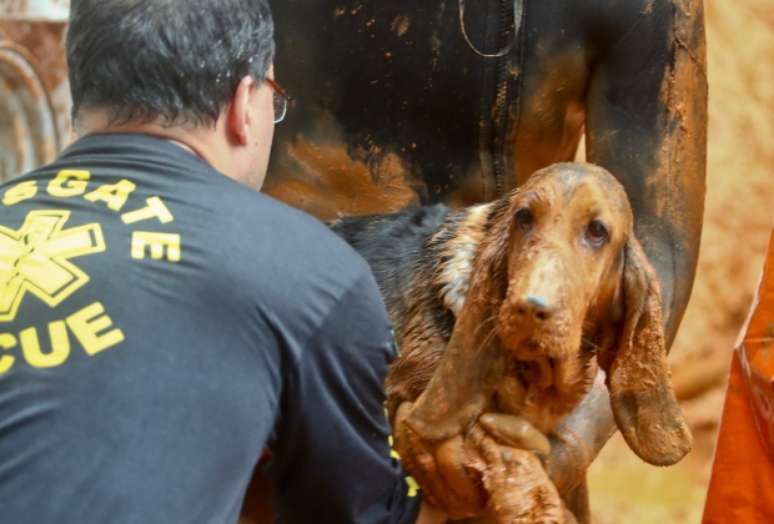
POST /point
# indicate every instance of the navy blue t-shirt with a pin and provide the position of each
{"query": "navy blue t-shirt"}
(160, 325)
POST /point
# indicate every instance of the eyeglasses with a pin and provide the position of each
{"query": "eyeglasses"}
(281, 99)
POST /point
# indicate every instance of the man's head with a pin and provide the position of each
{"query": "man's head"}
(191, 71)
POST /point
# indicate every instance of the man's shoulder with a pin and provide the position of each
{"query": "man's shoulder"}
(294, 270)
(271, 222)
(282, 247)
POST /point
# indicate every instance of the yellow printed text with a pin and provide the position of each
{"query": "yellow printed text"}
(91, 327)
(20, 193)
(160, 244)
(60, 346)
(154, 209)
(69, 183)
(115, 195)
(6, 361)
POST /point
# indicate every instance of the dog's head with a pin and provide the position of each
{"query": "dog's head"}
(558, 277)
(570, 280)
(562, 261)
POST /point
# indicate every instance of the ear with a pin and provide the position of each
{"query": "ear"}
(464, 379)
(238, 116)
(643, 402)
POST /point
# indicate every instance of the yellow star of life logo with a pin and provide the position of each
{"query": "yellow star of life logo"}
(35, 259)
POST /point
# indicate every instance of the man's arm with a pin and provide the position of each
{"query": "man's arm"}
(647, 122)
(332, 456)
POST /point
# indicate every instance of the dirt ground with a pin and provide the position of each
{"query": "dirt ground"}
(738, 218)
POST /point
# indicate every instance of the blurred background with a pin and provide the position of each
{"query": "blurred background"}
(739, 217)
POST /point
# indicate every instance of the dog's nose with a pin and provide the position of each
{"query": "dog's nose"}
(534, 306)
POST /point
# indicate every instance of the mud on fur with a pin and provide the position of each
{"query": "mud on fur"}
(510, 307)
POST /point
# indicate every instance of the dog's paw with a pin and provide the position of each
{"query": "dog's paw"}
(515, 432)
(442, 469)
(518, 487)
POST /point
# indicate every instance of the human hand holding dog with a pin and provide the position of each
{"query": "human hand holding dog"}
(512, 352)
(519, 489)
(493, 470)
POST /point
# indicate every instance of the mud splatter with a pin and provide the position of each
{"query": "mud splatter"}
(327, 182)
(400, 25)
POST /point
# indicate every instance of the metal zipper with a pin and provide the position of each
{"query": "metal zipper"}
(509, 30)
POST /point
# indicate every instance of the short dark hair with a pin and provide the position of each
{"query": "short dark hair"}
(177, 61)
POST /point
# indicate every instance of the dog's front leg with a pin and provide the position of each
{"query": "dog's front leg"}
(439, 466)
(491, 472)
(518, 488)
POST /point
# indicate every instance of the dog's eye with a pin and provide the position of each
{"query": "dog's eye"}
(597, 233)
(524, 219)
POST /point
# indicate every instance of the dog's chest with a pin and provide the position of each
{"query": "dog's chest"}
(515, 394)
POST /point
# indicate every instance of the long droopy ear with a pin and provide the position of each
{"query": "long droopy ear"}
(643, 402)
(464, 379)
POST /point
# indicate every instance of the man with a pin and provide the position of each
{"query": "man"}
(401, 102)
(163, 322)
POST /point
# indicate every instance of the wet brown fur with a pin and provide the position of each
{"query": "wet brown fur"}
(455, 294)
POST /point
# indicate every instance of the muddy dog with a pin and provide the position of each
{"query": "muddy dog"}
(510, 307)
